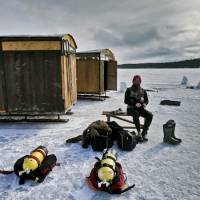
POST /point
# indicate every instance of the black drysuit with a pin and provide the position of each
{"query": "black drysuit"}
(134, 95)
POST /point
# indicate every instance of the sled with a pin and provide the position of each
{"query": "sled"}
(89, 183)
(125, 187)
(92, 97)
(31, 118)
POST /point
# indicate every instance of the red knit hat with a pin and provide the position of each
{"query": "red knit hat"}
(137, 77)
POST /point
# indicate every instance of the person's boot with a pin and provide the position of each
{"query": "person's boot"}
(173, 132)
(168, 131)
(139, 137)
(144, 136)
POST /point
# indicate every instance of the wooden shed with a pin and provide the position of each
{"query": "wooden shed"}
(96, 72)
(37, 74)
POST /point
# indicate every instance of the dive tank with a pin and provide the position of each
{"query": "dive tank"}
(106, 172)
(34, 160)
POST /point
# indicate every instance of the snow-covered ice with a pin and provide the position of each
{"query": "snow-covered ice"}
(160, 171)
(123, 87)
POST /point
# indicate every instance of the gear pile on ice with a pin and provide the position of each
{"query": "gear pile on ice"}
(184, 81)
(198, 85)
(97, 134)
(101, 135)
(185, 84)
(107, 175)
(169, 133)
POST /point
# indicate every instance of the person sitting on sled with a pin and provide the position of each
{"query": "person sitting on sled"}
(136, 98)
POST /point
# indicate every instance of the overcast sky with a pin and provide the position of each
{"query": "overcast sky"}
(135, 30)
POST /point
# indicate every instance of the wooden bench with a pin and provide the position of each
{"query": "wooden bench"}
(120, 116)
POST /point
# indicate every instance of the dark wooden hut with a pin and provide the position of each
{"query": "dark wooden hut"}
(37, 74)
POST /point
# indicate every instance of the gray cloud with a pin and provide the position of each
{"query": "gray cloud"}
(136, 31)
(128, 36)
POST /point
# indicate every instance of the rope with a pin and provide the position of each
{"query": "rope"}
(6, 172)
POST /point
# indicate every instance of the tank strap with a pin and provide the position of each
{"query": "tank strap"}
(98, 159)
(40, 151)
(35, 158)
(107, 165)
(109, 158)
(42, 148)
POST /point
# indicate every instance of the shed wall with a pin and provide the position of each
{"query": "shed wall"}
(111, 75)
(88, 76)
(33, 82)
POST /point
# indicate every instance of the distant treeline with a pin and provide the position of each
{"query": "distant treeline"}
(195, 63)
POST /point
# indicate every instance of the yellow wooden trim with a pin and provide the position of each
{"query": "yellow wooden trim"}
(71, 40)
(30, 45)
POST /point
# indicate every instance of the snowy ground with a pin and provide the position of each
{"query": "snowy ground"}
(159, 171)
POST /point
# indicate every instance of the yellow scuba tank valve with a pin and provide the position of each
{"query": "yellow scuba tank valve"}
(34, 160)
(106, 173)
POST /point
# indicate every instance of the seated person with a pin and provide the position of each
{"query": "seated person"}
(136, 98)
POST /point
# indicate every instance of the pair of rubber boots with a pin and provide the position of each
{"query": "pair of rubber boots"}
(169, 133)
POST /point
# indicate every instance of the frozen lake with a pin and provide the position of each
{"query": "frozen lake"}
(160, 171)
(153, 77)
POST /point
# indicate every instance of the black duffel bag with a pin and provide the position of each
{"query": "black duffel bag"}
(127, 141)
(116, 128)
(101, 142)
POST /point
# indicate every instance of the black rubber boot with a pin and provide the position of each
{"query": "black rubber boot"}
(144, 136)
(139, 137)
(173, 132)
(168, 131)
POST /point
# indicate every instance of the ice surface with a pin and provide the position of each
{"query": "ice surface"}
(123, 87)
(160, 171)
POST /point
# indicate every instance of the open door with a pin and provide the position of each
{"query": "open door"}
(111, 75)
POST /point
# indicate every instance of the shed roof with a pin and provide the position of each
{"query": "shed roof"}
(55, 37)
(104, 53)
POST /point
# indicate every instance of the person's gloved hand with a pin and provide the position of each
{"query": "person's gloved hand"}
(138, 105)
(144, 105)
(142, 100)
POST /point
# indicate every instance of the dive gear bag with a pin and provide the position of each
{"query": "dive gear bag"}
(127, 141)
(116, 128)
(101, 142)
